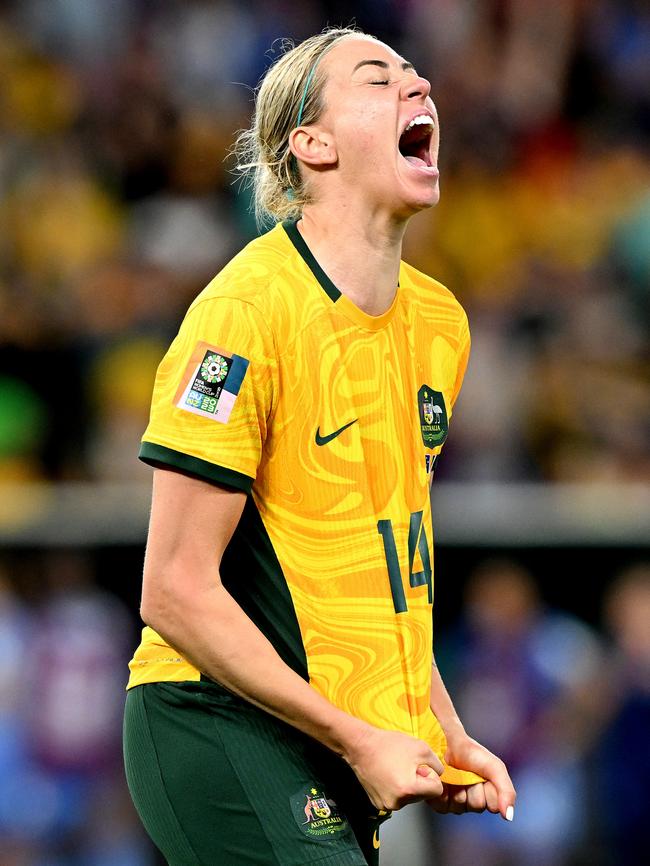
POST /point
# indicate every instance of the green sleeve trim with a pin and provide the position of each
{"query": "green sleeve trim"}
(159, 455)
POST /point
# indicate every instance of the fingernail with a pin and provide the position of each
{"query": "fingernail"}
(510, 813)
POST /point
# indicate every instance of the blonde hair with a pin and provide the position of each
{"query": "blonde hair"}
(290, 93)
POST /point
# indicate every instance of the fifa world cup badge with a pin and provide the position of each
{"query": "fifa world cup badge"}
(211, 383)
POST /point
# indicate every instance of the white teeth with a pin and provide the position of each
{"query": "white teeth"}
(419, 120)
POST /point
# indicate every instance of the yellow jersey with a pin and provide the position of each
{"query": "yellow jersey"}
(331, 420)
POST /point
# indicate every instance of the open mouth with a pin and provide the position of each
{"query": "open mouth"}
(415, 141)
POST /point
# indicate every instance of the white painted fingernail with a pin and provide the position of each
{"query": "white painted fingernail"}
(510, 813)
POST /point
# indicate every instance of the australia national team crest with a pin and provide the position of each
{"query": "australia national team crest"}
(433, 416)
(316, 814)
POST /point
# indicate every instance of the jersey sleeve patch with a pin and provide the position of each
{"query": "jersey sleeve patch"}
(211, 383)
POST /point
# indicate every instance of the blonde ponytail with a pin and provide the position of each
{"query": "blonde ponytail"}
(291, 94)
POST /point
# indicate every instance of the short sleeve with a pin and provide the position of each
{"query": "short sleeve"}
(214, 394)
(463, 357)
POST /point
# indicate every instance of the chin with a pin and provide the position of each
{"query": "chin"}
(418, 193)
(430, 200)
(415, 202)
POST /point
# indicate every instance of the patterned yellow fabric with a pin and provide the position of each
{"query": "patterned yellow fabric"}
(334, 427)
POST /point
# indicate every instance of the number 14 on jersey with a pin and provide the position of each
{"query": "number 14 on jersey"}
(417, 541)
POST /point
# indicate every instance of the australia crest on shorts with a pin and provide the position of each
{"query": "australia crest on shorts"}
(317, 814)
(434, 424)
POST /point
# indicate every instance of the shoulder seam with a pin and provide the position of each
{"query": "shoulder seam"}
(262, 319)
(275, 274)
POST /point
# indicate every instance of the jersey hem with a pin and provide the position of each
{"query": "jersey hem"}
(159, 455)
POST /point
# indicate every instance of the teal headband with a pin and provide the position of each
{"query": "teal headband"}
(304, 93)
(290, 193)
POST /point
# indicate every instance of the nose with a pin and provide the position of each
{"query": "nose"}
(415, 87)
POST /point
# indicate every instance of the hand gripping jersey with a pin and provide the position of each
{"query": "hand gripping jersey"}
(331, 419)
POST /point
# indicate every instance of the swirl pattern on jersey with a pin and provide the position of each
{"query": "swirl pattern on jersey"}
(348, 515)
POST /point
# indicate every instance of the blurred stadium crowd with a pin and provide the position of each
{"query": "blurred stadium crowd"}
(117, 206)
(566, 705)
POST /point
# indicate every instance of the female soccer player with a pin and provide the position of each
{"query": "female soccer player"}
(283, 699)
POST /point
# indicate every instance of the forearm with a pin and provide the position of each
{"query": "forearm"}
(441, 704)
(476, 763)
(213, 633)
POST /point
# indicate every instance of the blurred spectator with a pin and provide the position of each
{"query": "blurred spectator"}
(80, 643)
(521, 676)
(63, 799)
(117, 207)
(15, 633)
(622, 755)
(22, 421)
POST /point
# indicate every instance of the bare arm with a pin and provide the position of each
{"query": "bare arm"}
(497, 793)
(184, 600)
(442, 706)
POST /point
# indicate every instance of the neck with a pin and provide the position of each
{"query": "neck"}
(359, 251)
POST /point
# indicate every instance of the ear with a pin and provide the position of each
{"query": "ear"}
(312, 145)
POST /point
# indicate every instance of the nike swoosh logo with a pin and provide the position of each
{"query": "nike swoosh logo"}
(375, 840)
(323, 440)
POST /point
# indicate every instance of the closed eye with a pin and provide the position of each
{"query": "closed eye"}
(380, 82)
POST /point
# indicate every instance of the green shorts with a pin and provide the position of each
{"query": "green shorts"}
(218, 782)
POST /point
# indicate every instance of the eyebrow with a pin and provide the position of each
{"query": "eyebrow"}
(382, 65)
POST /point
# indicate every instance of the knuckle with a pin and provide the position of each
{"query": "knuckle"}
(403, 792)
